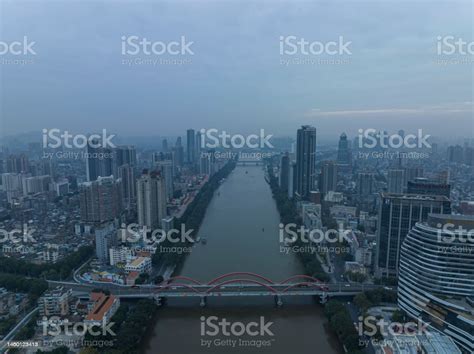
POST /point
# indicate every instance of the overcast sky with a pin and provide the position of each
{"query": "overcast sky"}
(236, 80)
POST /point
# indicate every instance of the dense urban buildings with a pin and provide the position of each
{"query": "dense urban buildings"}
(236, 177)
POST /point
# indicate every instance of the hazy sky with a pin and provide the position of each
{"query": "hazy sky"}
(236, 80)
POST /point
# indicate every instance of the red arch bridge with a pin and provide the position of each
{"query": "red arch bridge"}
(234, 284)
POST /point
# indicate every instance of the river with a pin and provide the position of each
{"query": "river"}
(241, 228)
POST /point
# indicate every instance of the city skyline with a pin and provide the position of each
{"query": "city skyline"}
(240, 176)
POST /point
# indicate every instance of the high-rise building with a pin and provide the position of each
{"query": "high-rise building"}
(397, 214)
(164, 145)
(61, 187)
(284, 172)
(105, 238)
(292, 180)
(178, 156)
(412, 172)
(456, 154)
(396, 179)
(99, 161)
(207, 164)
(126, 174)
(425, 186)
(101, 200)
(126, 155)
(344, 157)
(436, 281)
(17, 164)
(37, 184)
(190, 146)
(365, 184)
(328, 177)
(12, 185)
(197, 157)
(151, 200)
(305, 160)
(165, 167)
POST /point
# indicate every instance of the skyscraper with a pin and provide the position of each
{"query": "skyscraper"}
(126, 173)
(305, 160)
(99, 161)
(425, 186)
(344, 158)
(105, 238)
(396, 181)
(328, 178)
(398, 213)
(197, 157)
(101, 200)
(190, 146)
(151, 200)
(284, 171)
(178, 153)
(164, 145)
(126, 155)
(365, 184)
(166, 170)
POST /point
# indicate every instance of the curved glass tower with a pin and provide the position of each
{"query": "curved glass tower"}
(436, 279)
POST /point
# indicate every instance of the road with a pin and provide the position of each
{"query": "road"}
(15, 329)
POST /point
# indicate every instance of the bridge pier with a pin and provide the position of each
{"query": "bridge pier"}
(324, 298)
(278, 301)
(157, 300)
(203, 301)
